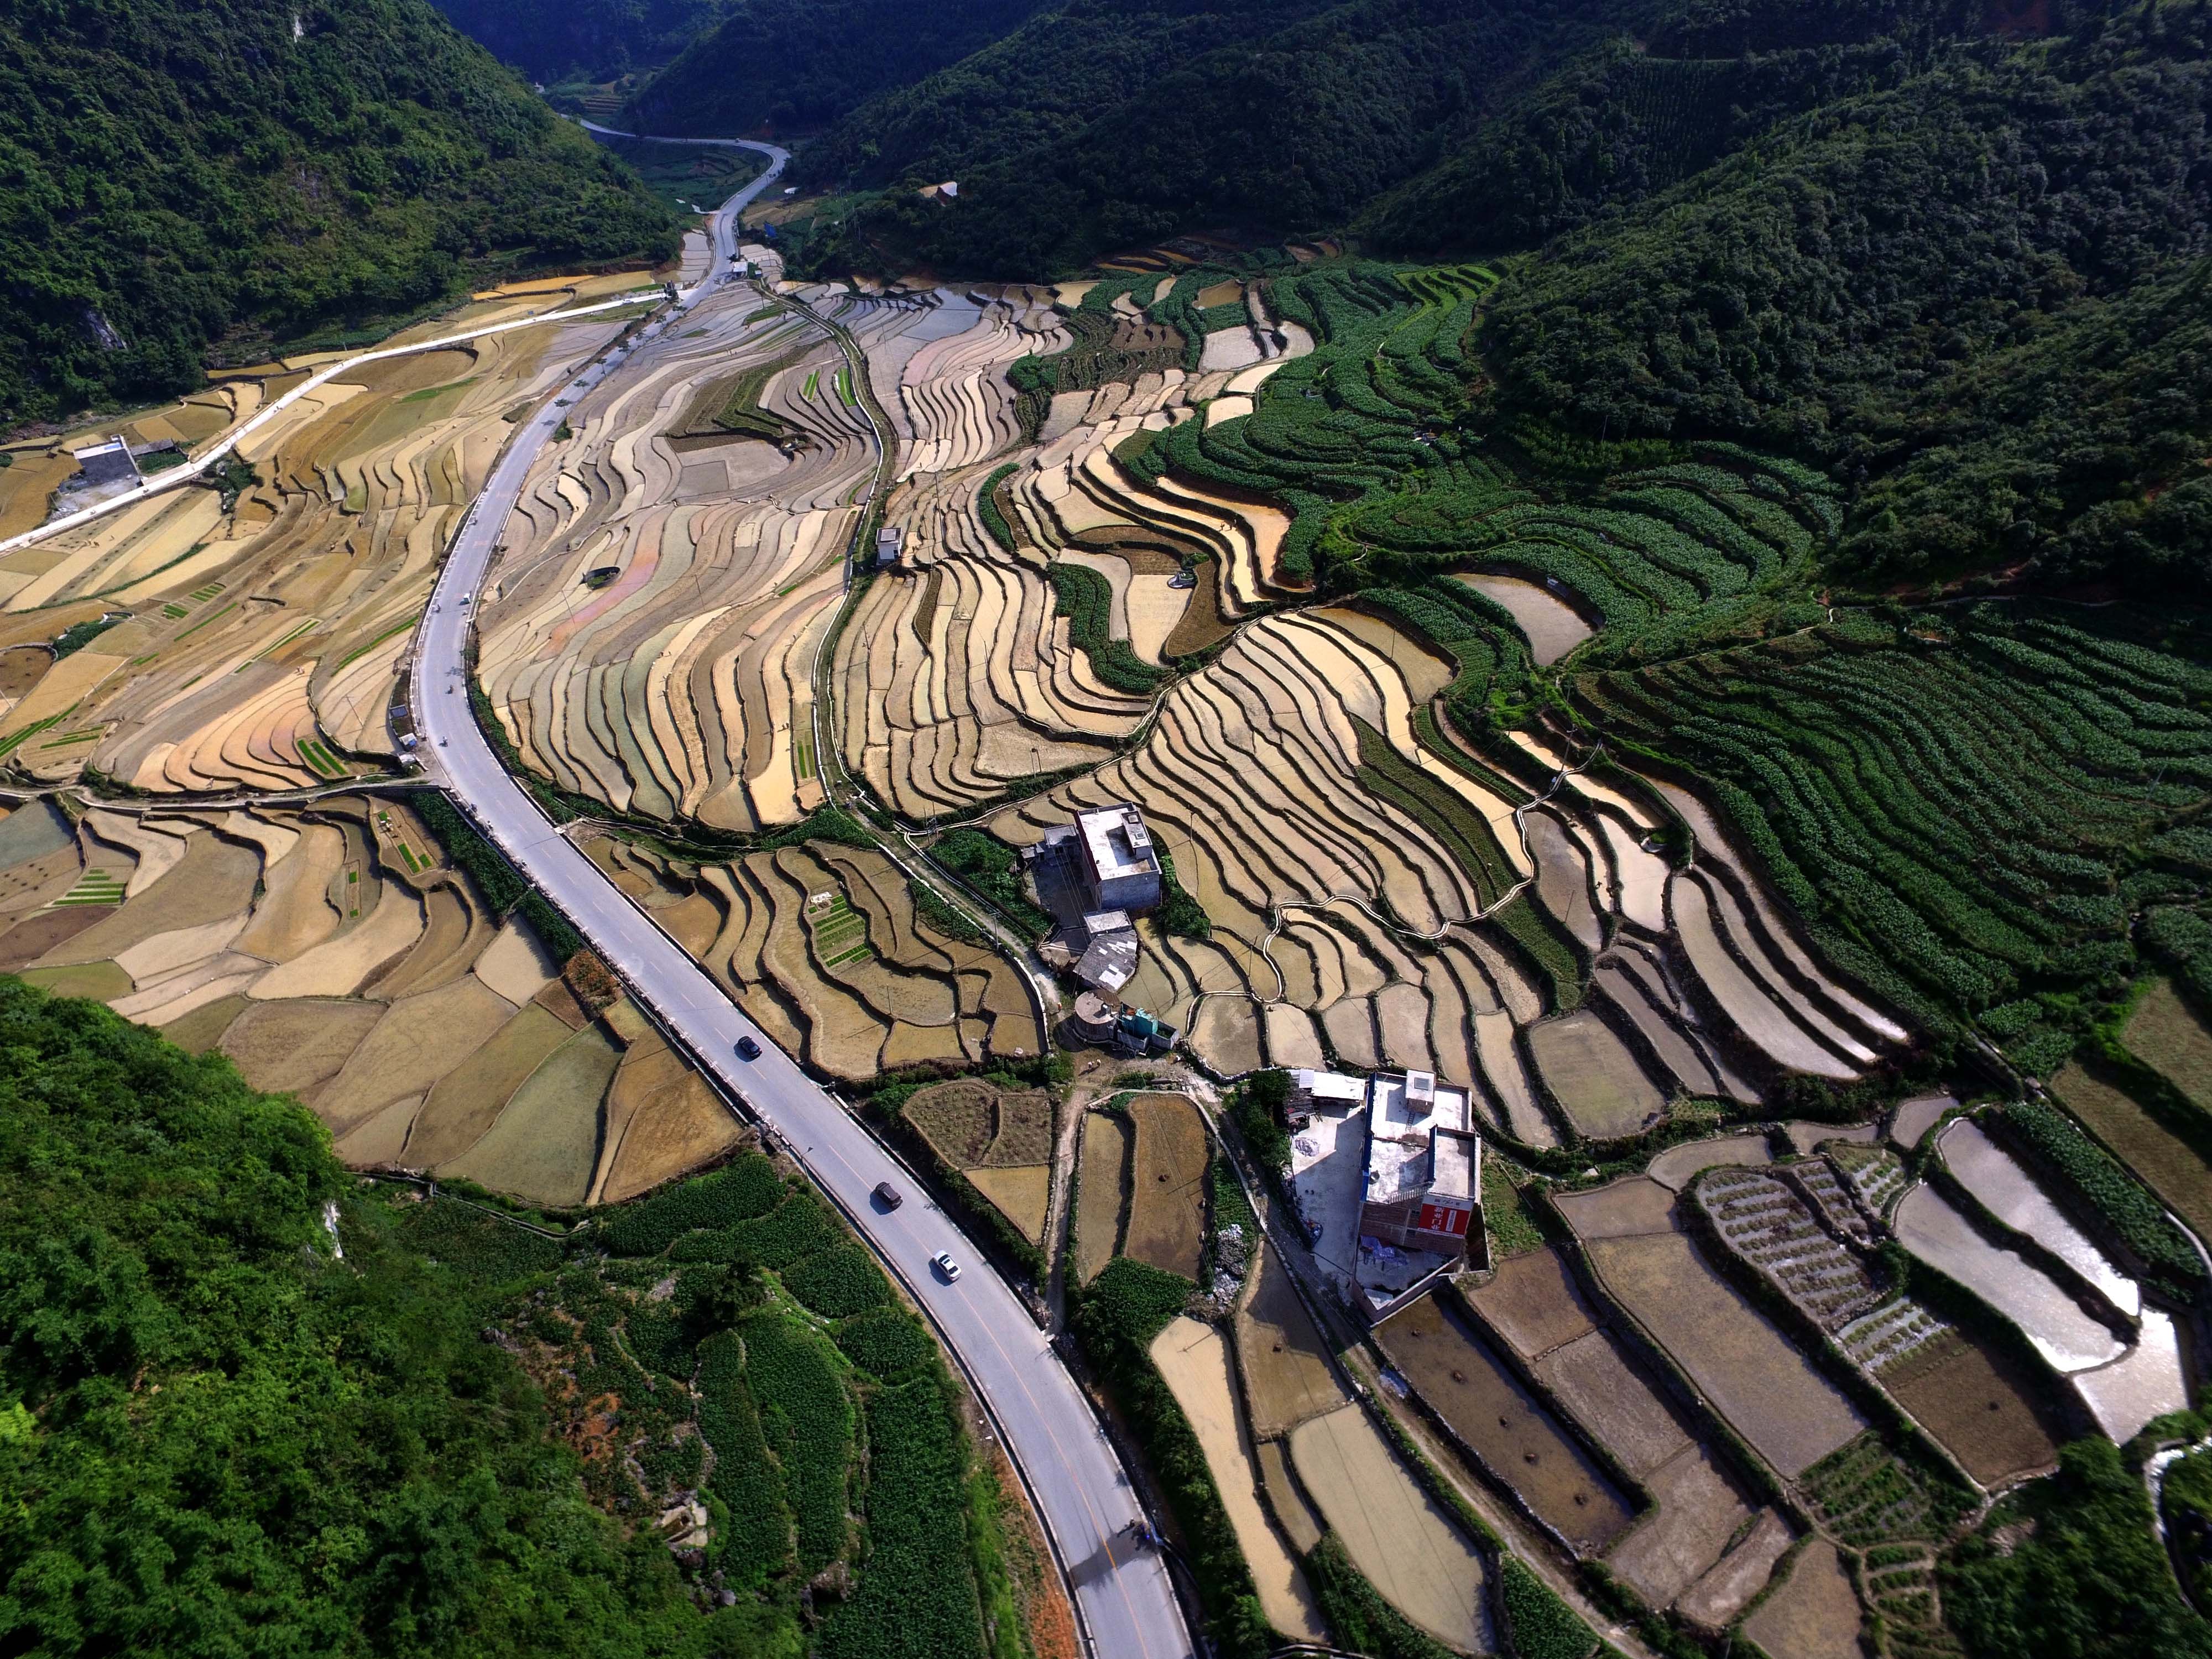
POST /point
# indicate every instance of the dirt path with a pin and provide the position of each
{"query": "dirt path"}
(1079, 1095)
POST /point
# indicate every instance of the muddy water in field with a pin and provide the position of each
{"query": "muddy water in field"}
(2125, 1395)
(1932, 1228)
(1554, 627)
(1996, 1177)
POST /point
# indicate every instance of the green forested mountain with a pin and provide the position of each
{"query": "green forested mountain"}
(1971, 297)
(1068, 67)
(250, 1404)
(216, 1439)
(1292, 130)
(178, 170)
(802, 62)
(598, 38)
(1610, 129)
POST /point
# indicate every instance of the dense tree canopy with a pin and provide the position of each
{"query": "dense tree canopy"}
(801, 63)
(1971, 295)
(601, 39)
(174, 170)
(1291, 123)
(215, 1438)
(1068, 67)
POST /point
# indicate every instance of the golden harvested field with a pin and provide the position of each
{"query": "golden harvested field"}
(1285, 1364)
(465, 1102)
(1167, 1199)
(2167, 1163)
(1407, 1547)
(102, 981)
(1510, 1429)
(1753, 1374)
(1101, 1192)
(29, 485)
(1193, 1360)
(262, 643)
(1815, 1613)
(2165, 1032)
(1980, 1406)
(1596, 1080)
(1022, 1192)
(292, 1047)
(299, 943)
(662, 1118)
(546, 1138)
(199, 1031)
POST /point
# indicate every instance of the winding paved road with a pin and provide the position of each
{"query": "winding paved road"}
(1125, 1601)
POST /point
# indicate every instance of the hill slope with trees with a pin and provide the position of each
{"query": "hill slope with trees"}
(196, 1398)
(601, 39)
(1286, 122)
(178, 172)
(780, 64)
(1978, 298)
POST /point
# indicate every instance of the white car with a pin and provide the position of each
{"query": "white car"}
(946, 1265)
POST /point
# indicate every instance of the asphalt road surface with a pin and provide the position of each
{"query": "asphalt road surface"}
(1125, 1600)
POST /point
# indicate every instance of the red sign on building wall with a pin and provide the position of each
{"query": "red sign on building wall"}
(1438, 1218)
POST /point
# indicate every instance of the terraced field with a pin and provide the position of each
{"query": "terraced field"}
(647, 636)
(255, 631)
(1000, 1140)
(823, 946)
(333, 952)
(1037, 601)
(1682, 1547)
(1810, 1227)
(2072, 729)
(1373, 896)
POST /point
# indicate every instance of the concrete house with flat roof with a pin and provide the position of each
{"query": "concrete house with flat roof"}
(1120, 865)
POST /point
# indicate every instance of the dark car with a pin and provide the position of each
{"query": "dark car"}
(747, 1048)
(888, 1195)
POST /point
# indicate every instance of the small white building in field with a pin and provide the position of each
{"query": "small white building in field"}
(108, 463)
(1120, 865)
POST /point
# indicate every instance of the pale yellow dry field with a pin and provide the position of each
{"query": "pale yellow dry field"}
(1020, 1190)
(1406, 1545)
(257, 650)
(1195, 1360)
(1099, 1197)
(1815, 1613)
